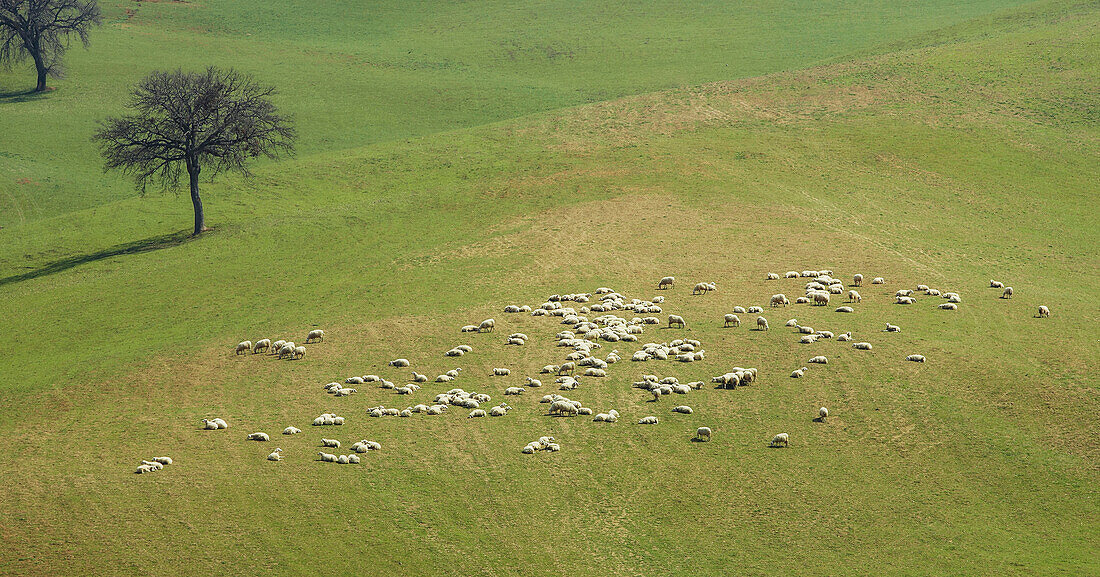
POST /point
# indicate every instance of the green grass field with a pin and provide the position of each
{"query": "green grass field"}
(458, 157)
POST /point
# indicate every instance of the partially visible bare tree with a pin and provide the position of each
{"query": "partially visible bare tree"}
(217, 119)
(42, 31)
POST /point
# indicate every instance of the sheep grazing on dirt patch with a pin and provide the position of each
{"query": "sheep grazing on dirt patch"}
(258, 437)
(781, 440)
(949, 306)
(243, 347)
(261, 346)
(703, 288)
(820, 360)
(915, 358)
(996, 284)
(891, 328)
(1044, 311)
(299, 352)
(857, 280)
(651, 420)
(487, 326)
(676, 320)
(773, 276)
(667, 282)
(862, 346)
(821, 298)
(287, 350)
(703, 433)
(761, 324)
(315, 335)
(1007, 294)
(732, 321)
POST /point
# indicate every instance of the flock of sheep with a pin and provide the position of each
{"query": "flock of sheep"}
(584, 335)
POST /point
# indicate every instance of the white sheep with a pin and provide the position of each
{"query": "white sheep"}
(844, 337)
(703, 433)
(732, 320)
(209, 425)
(501, 372)
(666, 282)
(781, 440)
(276, 346)
(823, 414)
(905, 300)
(354, 459)
(854, 297)
(244, 347)
(476, 413)
(891, 328)
(258, 437)
(1007, 294)
(791, 274)
(821, 298)
(779, 299)
(1043, 311)
(798, 373)
(953, 298)
(949, 306)
(286, 350)
(299, 352)
(820, 360)
(221, 423)
(512, 309)
(805, 330)
(996, 284)
(330, 443)
(327, 457)
(878, 280)
(676, 320)
(469, 328)
(291, 431)
(862, 346)
(808, 339)
(754, 310)
(275, 455)
(315, 335)
(773, 276)
(683, 409)
(261, 345)
(499, 410)
(145, 469)
(915, 358)
(845, 310)
(857, 280)
(761, 323)
(651, 420)
(163, 460)
(486, 326)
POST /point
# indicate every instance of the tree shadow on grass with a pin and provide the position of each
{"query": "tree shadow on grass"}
(139, 246)
(16, 96)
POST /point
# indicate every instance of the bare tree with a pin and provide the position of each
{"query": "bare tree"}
(217, 119)
(42, 30)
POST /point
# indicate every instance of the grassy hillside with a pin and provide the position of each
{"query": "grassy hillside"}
(965, 155)
(356, 73)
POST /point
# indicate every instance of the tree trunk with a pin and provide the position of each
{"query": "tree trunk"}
(193, 174)
(40, 66)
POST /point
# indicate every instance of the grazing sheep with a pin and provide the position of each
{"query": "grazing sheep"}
(1043, 311)
(511, 309)
(486, 326)
(732, 320)
(949, 306)
(823, 414)
(779, 299)
(275, 455)
(915, 358)
(244, 347)
(330, 443)
(854, 297)
(701, 288)
(676, 320)
(261, 345)
(801, 300)
(791, 274)
(773, 276)
(904, 300)
(703, 433)
(276, 346)
(291, 431)
(845, 310)
(667, 282)
(996, 284)
(862, 346)
(1007, 294)
(857, 280)
(258, 437)
(683, 409)
(761, 323)
(878, 280)
(820, 360)
(648, 420)
(287, 350)
(781, 440)
(501, 372)
(327, 457)
(564, 408)
(299, 352)
(821, 298)
(891, 328)
(315, 335)
(567, 368)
